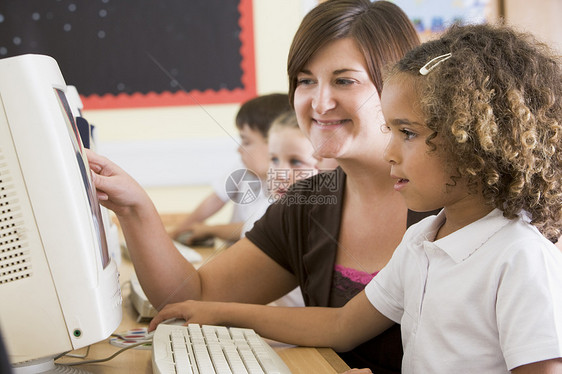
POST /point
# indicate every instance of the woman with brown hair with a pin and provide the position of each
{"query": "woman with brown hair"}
(331, 233)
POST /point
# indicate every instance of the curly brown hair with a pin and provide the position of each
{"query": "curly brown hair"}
(496, 105)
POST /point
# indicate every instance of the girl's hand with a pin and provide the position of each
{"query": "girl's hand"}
(116, 190)
(201, 312)
(358, 371)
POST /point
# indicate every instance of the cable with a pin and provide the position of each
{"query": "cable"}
(74, 355)
(107, 358)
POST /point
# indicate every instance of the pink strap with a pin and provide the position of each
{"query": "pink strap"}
(355, 275)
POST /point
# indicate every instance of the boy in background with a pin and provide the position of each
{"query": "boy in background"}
(253, 121)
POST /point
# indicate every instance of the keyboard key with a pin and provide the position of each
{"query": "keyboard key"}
(212, 349)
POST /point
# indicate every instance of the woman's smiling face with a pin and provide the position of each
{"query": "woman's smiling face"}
(337, 104)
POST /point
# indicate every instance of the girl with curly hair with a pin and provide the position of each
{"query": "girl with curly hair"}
(475, 126)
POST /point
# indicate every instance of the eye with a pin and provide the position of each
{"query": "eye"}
(408, 135)
(295, 162)
(274, 160)
(305, 81)
(344, 82)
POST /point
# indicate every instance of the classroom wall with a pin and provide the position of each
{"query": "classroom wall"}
(542, 18)
(176, 151)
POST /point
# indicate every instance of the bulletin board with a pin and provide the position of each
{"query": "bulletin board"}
(431, 17)
(142, 53)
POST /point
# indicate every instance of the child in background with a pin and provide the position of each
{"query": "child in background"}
(291, 159)
(475, 126)
(253, 121)
(292, 156)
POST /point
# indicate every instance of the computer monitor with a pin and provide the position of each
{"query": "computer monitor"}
(59, 288)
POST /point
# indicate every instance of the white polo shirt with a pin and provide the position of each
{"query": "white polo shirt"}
(248, 212)
(484, 299)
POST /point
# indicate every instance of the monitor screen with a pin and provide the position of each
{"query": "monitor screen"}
(85, 173)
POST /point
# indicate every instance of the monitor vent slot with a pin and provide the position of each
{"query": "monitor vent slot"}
(15, 259)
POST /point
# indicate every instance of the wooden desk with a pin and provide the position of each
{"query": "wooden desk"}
(299, 359)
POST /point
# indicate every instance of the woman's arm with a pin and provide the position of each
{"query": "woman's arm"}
(339, 328)
(242, 273)
(159, 266)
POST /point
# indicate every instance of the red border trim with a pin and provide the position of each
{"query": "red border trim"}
(195, 97)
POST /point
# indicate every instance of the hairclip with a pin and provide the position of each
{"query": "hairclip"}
(424, 70)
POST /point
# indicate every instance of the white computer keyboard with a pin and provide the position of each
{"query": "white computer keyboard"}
(212, 349)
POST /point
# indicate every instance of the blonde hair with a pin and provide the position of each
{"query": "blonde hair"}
(495, 104)
(287, 120)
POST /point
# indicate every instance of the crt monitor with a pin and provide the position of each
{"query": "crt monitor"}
(59, 288)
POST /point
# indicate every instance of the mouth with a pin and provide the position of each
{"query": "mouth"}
(281, 191)
(400, 183)
(327, 124)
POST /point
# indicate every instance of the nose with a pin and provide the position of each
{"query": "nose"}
(279, 175)
(283, 174)
(323, 100)
(390, 155)
(283, 170)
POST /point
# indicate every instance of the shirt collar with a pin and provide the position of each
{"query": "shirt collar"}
(462, 243)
